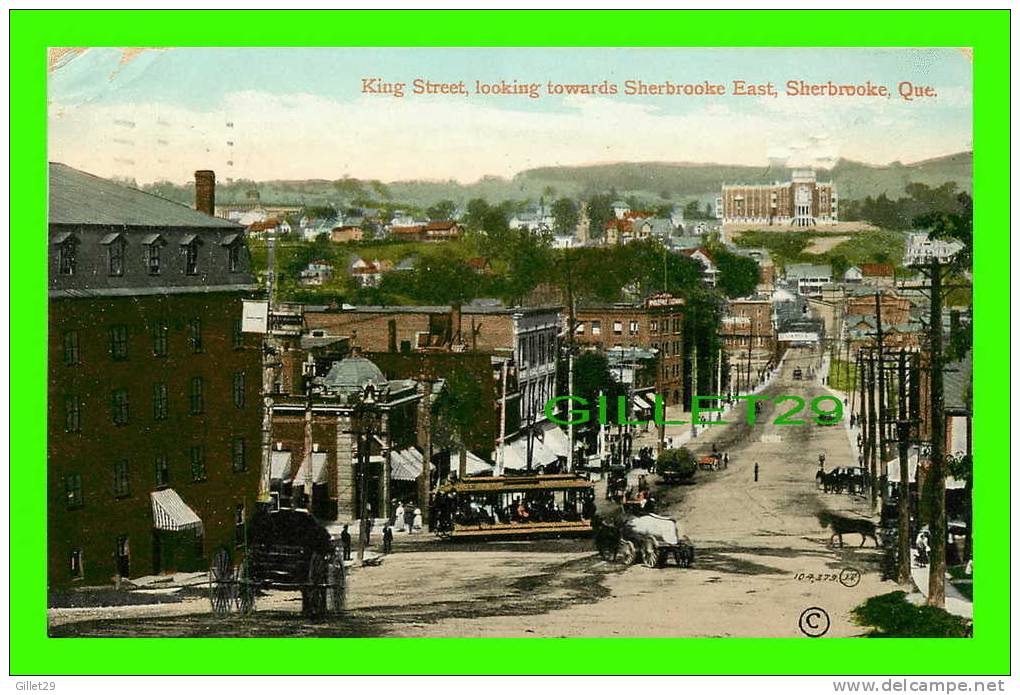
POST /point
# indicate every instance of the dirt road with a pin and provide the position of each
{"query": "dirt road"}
(762, 561)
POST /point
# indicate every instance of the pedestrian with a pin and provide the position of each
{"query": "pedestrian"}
(369, 522)
(726, 459)
(387, 539)
(408, 516)
(399, 519)
(417, 520)
(821, 461)
(756, 471)
(345, 542)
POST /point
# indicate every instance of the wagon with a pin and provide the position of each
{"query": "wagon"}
(712, 462)
(287, 549)
(650, 538)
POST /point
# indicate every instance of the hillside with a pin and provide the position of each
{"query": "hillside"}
(655, 182)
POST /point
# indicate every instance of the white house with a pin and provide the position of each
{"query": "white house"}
(620, 208)
(853, 275)
(921, 250)
(702, 255)
(808, 277)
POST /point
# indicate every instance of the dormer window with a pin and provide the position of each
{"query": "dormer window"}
(189, 246)
(114, 244)
(232, 242)
(67, 253)
(154, 253)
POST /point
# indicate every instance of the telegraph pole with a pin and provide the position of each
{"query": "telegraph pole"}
(570, 357)
(902, 440)
(881, 398)
(872, 430)
(269, 353)
(937, 484)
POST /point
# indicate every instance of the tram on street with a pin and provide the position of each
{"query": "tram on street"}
(515, 506)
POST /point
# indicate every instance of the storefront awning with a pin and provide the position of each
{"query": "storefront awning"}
(405, 464)
(319, 470)
(170, 513)
(640, 403)
(516, 455)
(555, 440)
(279, 468)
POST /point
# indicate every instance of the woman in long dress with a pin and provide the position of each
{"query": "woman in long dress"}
(416, 524)
(398, 521)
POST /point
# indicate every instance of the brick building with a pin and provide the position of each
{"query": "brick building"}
(153, 394)
(800, 202)
(527, 334)
(656, 323)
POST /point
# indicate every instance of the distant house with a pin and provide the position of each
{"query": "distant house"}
(853, 275)
(406, 265)
(346, 233)
(878, 274)
(274, 226)
(619, 231)
(315, 274)
(808, 278)
(368, 273)
(480, 265)
(311, 228)
(445, 230)
(921, 250)
(704, 256)
(534, 218)
(638, 215)
(659, 227)
(619, 208)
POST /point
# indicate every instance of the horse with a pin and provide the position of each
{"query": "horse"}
(840, 525)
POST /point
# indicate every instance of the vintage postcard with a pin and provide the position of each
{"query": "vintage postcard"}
(510, 342)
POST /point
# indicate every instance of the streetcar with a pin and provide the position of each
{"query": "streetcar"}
(515, 506)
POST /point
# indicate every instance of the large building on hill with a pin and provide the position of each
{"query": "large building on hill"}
(802, 201)
(153, 420)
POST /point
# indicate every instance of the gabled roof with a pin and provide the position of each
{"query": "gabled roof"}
(83, 199)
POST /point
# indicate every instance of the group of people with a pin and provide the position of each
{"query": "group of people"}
(406, 519)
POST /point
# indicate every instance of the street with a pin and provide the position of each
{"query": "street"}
(762, 560)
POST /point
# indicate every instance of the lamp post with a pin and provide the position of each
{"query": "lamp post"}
(363, 416)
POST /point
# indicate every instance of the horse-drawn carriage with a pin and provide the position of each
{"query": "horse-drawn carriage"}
(616, 483)
(286, 549)
(844, 480)
(649, 538)
(711, 462)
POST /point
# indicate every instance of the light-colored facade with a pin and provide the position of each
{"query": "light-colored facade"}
(801, 202)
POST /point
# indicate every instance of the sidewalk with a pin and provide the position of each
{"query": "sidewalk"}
(956, 603)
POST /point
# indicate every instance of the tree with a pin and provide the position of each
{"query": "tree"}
(476, 210)
(677, 464)
(443, 210)
(600, 211)
(738, 275)
(565, 216)
(692, 211)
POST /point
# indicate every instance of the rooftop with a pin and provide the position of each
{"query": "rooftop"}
(79, 198)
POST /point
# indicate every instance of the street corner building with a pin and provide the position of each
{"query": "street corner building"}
(153, 422)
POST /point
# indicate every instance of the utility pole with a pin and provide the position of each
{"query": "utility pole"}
(937, 484)
(694, 388)
(903, 442)
(501, 448)
(750, 343)
(269, 356)
(881, 398)
(862, 416)
(570, 357)
(872, 430)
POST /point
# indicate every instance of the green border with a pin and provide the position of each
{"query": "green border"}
(988, 32)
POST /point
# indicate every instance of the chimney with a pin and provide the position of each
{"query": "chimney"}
(205, 192)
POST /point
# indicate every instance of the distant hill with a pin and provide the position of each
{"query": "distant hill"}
(653, 182)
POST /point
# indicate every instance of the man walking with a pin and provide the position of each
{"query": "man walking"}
(345, 542)
(756, 471)
(387, 539)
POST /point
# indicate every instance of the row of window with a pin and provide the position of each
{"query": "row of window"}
(120, 407)
(668, 348)
(74, 491)
(537, 349)
(153, 256)
(633, 327)
(118, 341)
(76, 559)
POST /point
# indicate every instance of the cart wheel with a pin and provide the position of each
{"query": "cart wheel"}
(649, 557)
(221, 583)
(245, 587)
(626, 552)
(314, 594)
(337, 579)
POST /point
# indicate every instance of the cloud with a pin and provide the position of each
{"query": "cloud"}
(253, 134)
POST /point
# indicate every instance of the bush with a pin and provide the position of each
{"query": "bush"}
(677, 463)
(891, 615)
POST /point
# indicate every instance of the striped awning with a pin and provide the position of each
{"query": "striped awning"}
(555, 440)
(170, 513)
(516, 454)
(406, 464)
(640, 403)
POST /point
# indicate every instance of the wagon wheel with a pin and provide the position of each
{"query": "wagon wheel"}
(336, 593)
(649, 557)
(314, 594)
(221, 583)
(246, 588)
(626, 552)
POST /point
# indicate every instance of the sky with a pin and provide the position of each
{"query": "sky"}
(302, 113)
